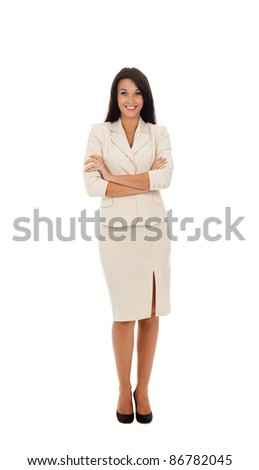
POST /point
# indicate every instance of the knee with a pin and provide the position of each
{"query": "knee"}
(148, 322)
(123, 325)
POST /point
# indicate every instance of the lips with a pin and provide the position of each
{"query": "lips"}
(131, 108)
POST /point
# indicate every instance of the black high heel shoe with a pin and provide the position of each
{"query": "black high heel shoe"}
(144, 419)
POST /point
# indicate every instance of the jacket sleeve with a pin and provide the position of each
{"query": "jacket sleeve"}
(161, 179)
(94, 183)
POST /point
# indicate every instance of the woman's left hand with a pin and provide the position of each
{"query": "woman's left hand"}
(98, 164)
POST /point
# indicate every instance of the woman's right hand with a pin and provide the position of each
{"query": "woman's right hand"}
(160, 162)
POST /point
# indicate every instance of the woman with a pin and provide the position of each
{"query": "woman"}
(128, 160)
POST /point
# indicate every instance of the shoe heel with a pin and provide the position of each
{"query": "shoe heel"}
(143, 419)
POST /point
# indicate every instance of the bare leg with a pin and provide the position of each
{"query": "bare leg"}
(146, 346)
(123, 343)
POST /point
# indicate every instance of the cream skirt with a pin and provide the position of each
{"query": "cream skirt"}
(128, 266)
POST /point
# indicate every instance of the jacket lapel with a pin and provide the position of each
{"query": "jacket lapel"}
(141, 137)
(119, 138)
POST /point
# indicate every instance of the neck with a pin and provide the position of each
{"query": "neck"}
(130, 124)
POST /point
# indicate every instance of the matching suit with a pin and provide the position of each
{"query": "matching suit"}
(135, 257)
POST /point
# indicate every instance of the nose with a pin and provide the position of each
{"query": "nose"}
(131, 99)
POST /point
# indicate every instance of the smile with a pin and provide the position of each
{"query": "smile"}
(131, 108)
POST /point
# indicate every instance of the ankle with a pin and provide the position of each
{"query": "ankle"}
(125, 389)
(141, 390)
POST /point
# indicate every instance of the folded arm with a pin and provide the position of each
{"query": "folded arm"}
(139, 181)
(125, 185)
(115, 189)
(99, 181)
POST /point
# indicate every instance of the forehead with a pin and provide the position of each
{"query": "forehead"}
(127, 84)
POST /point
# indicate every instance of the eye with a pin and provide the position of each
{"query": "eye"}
(124, 93)
(138, 93)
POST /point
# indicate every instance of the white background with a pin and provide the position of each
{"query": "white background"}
(59, 384)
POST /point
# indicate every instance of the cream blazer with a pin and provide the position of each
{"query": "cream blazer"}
(109, 141)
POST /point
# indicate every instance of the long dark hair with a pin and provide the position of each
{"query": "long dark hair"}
(147, 112)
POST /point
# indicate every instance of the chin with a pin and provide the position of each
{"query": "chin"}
(136, 114)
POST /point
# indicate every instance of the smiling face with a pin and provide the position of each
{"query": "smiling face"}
(130, 100)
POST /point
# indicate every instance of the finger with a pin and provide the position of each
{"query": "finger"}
(160, 166)
(89, 169)
(92, 164)
(96, 157)
(92, 157)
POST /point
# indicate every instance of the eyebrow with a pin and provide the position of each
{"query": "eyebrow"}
(125, 89)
